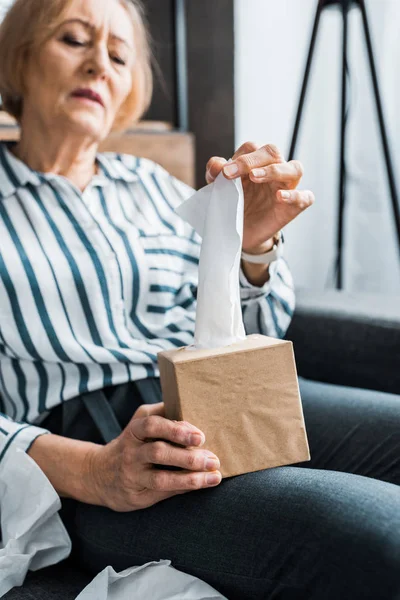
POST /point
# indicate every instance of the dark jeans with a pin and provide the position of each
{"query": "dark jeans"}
(328, 529)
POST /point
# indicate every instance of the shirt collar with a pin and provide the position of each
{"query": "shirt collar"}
(15, 174)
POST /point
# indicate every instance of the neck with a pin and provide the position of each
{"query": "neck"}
(59, 152)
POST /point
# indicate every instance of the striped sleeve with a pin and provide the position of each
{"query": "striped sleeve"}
(17, 434)
(269, 309)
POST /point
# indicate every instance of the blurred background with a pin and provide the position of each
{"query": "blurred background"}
(228, 71)
(272, 39)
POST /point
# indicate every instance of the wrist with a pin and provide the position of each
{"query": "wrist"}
(65, 463)
(264, 247)
(98, 474)
(256, 275)
(257, 269)
(261, 248)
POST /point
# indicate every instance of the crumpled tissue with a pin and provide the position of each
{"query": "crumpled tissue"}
(155, 580)
(33, 535)
(216, 213)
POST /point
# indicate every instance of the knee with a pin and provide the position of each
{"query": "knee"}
(337, 532)
(358, 533)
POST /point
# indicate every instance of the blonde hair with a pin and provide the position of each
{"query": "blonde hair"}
(27, 26)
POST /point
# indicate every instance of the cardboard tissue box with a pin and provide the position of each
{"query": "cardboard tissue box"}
(242, 392)
(244, 397)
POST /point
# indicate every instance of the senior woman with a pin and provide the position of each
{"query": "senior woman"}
(98, 274)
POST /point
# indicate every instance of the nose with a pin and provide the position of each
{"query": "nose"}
(98, 64)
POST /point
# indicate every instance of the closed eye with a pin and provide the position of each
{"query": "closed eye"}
(71, 41)
(118, 60)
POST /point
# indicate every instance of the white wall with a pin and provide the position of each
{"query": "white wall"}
(4, 5)
(272, 40)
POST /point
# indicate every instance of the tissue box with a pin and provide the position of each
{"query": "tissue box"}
(244, 397)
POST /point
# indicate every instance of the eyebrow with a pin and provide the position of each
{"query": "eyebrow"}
(91, 26)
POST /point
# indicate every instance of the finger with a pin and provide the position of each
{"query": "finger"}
(145, 410)
(214, 167)
(298, 199)
(246, 148)
(287, 173)
(162, 453)
(156, 427)
(243, 164)
(168, 481)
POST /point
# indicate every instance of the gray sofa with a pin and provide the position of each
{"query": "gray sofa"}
(341, 338)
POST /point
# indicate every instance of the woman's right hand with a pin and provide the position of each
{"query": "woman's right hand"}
(123, 473)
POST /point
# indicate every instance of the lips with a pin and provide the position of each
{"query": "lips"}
(89, 94)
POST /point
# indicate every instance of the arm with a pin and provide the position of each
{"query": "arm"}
(268, 309)
(66, 464)
(257, 274)
(63, 461)
(15, 433)
(267, 293)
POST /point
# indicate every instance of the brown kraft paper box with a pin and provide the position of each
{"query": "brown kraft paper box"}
(244, 397)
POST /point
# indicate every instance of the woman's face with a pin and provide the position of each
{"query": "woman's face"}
(83, 73)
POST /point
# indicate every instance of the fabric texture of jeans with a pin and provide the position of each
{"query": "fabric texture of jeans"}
(327, 529)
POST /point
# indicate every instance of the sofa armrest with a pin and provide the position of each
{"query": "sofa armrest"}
(347, 338)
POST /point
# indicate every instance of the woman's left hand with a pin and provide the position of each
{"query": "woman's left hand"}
(270, 198)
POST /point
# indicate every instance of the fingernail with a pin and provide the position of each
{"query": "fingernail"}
(285, 194)
(195, 439)
(211, 463)
(213, 478)
(231, 169)
(259, 172)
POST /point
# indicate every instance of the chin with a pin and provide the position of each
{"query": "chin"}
(88, 126)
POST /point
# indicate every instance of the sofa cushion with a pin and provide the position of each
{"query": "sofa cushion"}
(63, 581)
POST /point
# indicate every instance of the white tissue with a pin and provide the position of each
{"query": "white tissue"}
(33, 535)
(154, 580)
(216, 213)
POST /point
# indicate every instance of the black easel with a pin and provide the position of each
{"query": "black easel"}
(182, 105)
(345, 6)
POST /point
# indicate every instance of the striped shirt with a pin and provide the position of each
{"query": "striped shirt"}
(94, 284)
